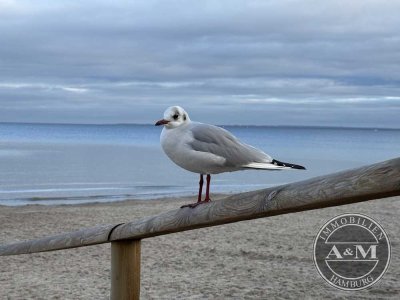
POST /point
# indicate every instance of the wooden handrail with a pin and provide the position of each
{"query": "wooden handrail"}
(366, 183)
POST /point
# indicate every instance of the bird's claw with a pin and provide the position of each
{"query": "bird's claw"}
(193, 205)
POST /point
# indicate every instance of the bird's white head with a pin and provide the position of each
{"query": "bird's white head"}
(174, 116)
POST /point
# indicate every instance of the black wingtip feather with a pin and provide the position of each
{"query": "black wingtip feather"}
(283, 164)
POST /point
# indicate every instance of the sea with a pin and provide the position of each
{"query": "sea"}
(72, 163)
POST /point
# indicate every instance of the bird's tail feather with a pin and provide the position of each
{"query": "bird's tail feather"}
(274, 165)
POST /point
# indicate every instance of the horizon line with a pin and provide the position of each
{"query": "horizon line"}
(221, 125)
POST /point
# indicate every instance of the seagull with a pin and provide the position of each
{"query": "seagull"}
(207, 149)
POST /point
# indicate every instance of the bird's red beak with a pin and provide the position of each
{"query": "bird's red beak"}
(162, 122)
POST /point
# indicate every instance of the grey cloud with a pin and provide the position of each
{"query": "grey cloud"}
(74, 60)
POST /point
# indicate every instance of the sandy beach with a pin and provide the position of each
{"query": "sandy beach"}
(258, 259)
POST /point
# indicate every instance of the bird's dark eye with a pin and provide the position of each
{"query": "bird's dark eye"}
(175, 116)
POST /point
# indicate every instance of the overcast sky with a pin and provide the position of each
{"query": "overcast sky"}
(226, 62)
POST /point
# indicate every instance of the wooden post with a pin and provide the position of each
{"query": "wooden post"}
(125, 270)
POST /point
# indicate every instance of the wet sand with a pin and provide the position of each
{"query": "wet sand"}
(258, 259)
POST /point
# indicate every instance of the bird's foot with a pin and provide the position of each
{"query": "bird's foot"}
(193, 205)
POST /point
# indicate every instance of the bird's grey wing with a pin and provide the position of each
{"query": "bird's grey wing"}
(218, 141)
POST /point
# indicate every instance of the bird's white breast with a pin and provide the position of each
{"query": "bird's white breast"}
(176, 144)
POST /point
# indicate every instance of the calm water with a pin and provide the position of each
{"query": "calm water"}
(48, 163)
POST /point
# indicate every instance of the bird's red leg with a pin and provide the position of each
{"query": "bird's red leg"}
(207, 199)
(200, 188)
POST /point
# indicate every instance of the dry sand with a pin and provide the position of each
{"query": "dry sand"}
(259, 259)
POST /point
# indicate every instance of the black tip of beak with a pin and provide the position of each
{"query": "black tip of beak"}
(161, 122)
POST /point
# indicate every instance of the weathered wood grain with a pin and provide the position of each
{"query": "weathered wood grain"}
(125, 270)
(366, 183)
(371, 182)
(84, 237)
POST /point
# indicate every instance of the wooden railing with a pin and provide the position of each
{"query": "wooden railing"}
(366, 183)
